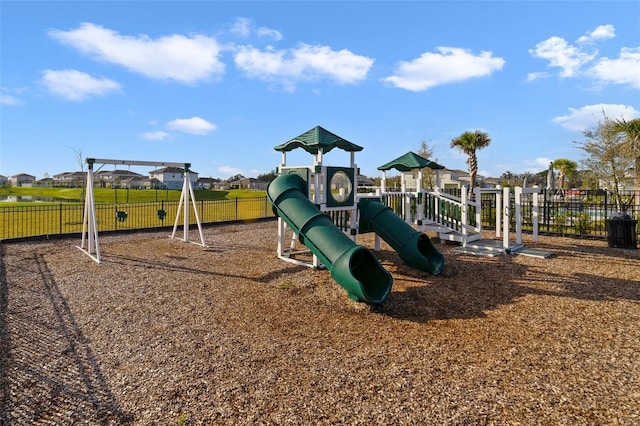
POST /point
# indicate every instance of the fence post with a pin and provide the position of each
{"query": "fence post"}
(518, 202)
(534, 215)
(60, 211)
(505, 217)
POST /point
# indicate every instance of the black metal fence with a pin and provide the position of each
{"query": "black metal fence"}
(569, 213)
(576, 213)
(48, 220)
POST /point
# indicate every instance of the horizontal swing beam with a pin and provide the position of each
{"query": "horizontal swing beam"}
(92, 161)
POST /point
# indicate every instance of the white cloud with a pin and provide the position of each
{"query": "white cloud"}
(269, 33)
(244, 27)
(537, 75)
(577, 61)
(588, 116)
(194, 125)
(623, 70)
(77, 86)
(448, 65)
(602, 32)
(562, 55)
(175, 57)
(303, 63)
(9, 100)
(156, 136)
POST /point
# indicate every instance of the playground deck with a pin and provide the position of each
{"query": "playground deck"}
(164, 332)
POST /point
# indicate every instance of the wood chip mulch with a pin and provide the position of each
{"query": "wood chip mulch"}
(164, 332)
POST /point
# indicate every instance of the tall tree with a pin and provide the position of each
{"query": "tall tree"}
(567, 170)
(631, 147)
(428, 176)
(469, 143)
(605, 158)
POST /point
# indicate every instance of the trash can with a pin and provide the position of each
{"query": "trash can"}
(622, 231)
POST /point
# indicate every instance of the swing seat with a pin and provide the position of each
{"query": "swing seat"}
(162, 214)
(121, 216)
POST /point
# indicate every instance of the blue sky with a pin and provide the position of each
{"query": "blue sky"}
(220, 84)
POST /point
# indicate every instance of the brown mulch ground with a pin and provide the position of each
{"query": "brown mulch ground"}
(164, 333)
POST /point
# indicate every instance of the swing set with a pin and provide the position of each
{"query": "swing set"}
(90, 244)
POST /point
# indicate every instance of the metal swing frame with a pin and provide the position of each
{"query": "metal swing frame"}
(90, 243)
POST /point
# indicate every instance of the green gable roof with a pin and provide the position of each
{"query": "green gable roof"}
(315, 139)
(410, 161)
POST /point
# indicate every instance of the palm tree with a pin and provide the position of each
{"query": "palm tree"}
(469, 142)
(567, 169)
(631, 147)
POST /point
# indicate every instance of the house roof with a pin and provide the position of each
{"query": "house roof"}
(317, 138)
(410, 161)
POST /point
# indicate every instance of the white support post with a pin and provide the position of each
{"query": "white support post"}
(505, 218)
(498, 212)
(383, 183)
(478, 202)
(464, 215)
(281, 231)
(89, 223)
(535, 213)
(420, 200)
(518, 215)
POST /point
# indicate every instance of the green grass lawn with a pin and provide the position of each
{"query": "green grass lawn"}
(24, 219)
(106, 195)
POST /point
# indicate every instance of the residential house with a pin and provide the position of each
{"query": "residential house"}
(172, 177)
(207, 183)
(456, 179)
(70, 179)
(625, 183)
(47, 182)
(4, 181)
(365, 182)
(249, 183)
(115, 178)
(22, 179)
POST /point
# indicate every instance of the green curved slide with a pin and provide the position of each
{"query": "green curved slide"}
(414, 247)
(352, 266)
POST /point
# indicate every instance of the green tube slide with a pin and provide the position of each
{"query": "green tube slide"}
(352, 266)
(414, 247)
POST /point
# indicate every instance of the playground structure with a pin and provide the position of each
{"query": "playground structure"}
(90, 243)
(320, 207)
(458, 218)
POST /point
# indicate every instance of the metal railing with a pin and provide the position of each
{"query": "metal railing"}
(67, 218)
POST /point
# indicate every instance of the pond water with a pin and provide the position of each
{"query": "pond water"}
(35, 199)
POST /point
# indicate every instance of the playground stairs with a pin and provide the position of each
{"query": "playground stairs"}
(491, 248)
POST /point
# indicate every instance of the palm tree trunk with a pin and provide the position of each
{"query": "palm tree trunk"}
(472, 162)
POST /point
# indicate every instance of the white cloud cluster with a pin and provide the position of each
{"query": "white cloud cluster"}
(9, 100)
(588, 116)
(447, 65)
(75, 85)
(244, 27)
(175, 57)
(581, 59)
(193, 126)
(303, 63)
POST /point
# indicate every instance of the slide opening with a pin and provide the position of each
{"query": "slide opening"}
(374, 278)
(424, 246)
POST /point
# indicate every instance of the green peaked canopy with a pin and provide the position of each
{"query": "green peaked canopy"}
(410, 161)
(317, 138)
